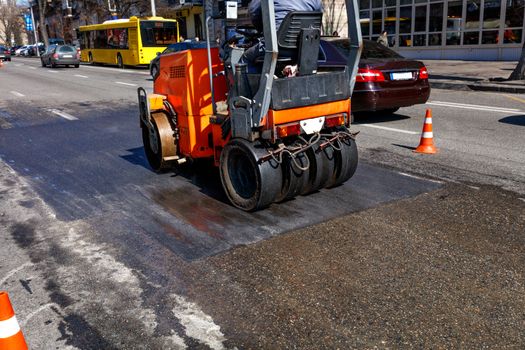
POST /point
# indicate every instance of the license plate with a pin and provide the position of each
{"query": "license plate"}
(67, 56)
(401, 76)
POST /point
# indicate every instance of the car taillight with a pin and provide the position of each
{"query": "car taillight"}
(333, 121)
(55, 55)
(365, 75)
(423, 73)
(288, 130)
(78, 55)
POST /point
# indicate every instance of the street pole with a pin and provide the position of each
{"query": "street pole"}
(34, 29)
(153, 11)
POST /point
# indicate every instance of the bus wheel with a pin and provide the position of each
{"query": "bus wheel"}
(90, 59)
(120, 63)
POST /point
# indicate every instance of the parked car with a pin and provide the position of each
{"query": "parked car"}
(13, 50)
(385, 81)
(41, 49)
(63, 55)
(5, 54)
(154, 65)
(20, 50)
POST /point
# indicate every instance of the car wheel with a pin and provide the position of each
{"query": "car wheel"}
(154, 71)
(120, 63)
(77, 65)
(43, 64)
(53, 65)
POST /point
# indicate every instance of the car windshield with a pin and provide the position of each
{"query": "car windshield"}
(66, 49)
(370, 49)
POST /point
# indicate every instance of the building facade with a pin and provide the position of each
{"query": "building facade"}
(447, 29)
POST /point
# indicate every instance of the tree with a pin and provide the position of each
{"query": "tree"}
(334, 18)
(11, 23)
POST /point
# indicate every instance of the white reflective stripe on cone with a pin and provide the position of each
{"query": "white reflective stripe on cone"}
(428, 121)
(9, 327)
(428, 135)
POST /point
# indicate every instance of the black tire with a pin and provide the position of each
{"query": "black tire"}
(53, 65)
(249, 185)
(90, 59)
(77, 65)
(120, 62)
(67, 66)
(43, 63)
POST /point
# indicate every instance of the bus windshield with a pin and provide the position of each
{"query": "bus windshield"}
(156, 33)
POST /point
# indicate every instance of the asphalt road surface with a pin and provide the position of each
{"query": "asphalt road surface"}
(99, 252)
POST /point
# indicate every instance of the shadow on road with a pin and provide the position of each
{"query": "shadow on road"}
(514, 119)
(377, 117)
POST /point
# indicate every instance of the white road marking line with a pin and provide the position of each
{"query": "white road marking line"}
(52, 71)
(486, 108)
(127, 84)
(16, 93)
(18, 64)
(420, 178)
(387, 128)
(63, 114)
(117, 70)
(12, 272)
(469, 105)
(81, 76)
(32, 67)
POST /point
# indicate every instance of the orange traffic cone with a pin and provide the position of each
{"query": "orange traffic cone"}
(11, 337)
(1, 63)
(426, 145)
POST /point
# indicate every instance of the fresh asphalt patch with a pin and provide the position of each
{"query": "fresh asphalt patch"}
(94, 169)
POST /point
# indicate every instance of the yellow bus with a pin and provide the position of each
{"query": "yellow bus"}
(127, 42)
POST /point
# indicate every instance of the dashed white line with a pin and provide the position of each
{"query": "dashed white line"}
(16, 93)
(52, 71)
(32, 67)
(388, 129)
(63, 114)
(18, 64)
(476, 107)
(81, 76)
(127, 84)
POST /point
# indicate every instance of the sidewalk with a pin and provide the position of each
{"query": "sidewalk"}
(473, 75)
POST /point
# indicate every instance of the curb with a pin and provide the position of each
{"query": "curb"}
(498, 88)
(448, 86)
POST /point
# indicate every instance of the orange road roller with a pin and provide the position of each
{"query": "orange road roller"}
(277, 127)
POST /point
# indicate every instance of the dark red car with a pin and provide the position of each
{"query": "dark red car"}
(385, 81)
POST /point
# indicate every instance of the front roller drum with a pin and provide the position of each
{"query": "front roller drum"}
(159, 142)
(249, 185)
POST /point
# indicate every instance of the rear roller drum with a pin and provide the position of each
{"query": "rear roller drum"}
(296, 173)
(322, 167)
(347, 159)
(248, 184)
(159, 142)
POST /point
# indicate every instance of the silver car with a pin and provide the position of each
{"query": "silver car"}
(60, 55)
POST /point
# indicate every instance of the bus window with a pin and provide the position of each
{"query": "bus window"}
(158, 33)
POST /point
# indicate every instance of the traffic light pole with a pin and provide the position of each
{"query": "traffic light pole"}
(34, 30)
